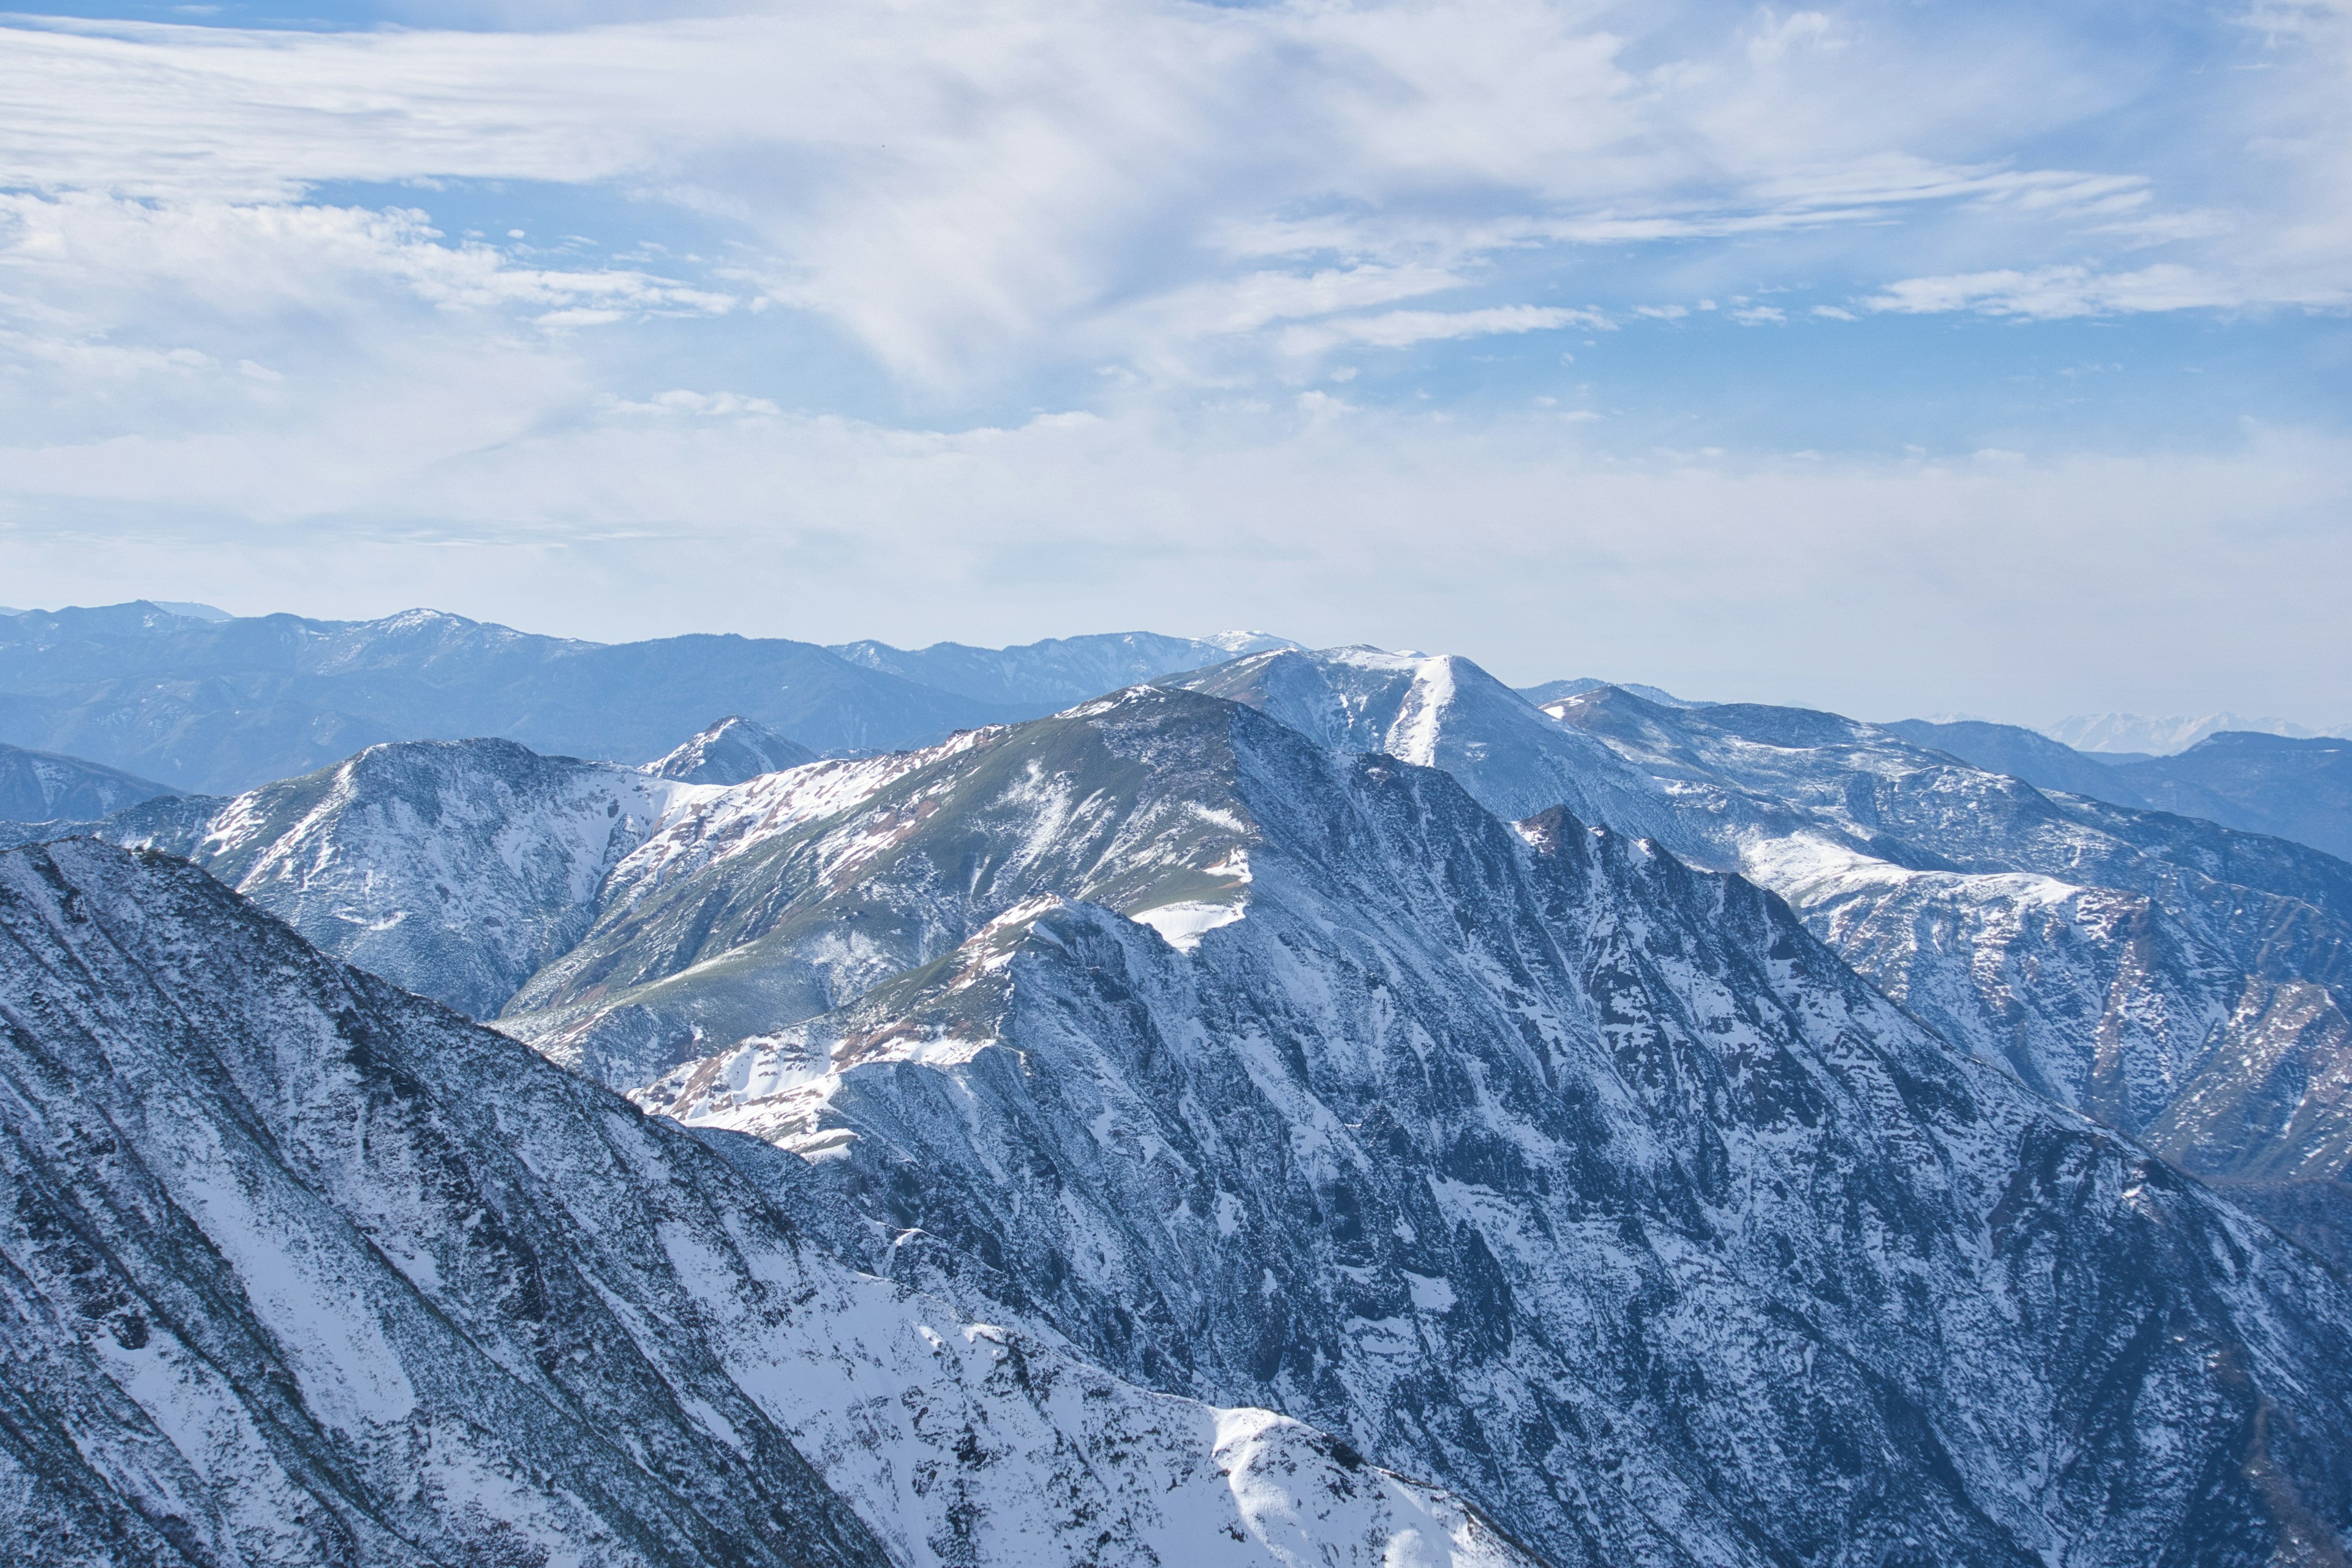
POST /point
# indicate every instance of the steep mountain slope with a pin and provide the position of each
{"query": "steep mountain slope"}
(41, 786)
(2125, 961)
(787, 896)
(223, 705)
(1587, 1182)
(297, 1268)
(1443, 711)
(730, 752)
(1042, 676)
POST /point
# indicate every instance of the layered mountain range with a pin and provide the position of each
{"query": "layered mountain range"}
(1690, 1133)
(206, 703)
(2298, 789)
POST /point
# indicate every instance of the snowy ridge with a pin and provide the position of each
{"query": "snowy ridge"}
(456, 868)
(1445, 712)
(302, 1269)
(786, 897)
(705, 828)
(2180, 981)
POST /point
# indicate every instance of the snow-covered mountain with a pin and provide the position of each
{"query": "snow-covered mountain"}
(730, 752)
(1530, 1160)
(2023, 753)
(299, 1269)
(1053, 674)
(1588, 1184)
(2134, 964)
(1553, 691)
(456, 869)
(41, 786)
(1443, 711)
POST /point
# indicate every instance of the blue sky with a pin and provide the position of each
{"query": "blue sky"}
(1897, 358)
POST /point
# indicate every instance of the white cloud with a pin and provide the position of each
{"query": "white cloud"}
(703, 405)
(2055, 293)
(1159, 218)
(1402, 328)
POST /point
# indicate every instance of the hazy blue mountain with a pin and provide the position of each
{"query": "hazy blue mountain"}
(219, 706)
(2160, 736)
(2025, 754)
(1528, 1158)
(301, 1269)
(2262, 783)
(1053, 674)
(1553, 691)
(42, 786)
(2298, 789)
(730, 752)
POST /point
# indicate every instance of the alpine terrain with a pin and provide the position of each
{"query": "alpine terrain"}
(1340, 1035)
(1590, 1184)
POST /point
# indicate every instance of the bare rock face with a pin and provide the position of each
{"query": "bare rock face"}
(301, 1269)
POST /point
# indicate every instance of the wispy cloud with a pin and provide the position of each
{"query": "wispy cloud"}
(1402, 328)
(970, 188)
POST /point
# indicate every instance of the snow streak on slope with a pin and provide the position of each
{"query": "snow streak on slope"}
(1443, 711)
(1590, 1183)
(301, 1269)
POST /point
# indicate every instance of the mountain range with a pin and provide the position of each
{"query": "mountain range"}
(210, 704)
(42, 786)
(1683, 1133)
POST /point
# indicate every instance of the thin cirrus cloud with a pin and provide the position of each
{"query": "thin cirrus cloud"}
(667, 279)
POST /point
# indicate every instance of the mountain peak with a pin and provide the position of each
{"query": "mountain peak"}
(728, 752)
(1245, 642)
